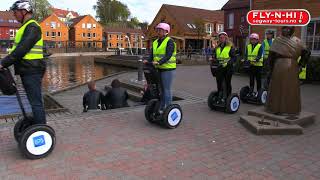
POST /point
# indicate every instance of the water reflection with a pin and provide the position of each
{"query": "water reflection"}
(63, 72)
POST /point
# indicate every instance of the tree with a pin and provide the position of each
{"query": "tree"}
(200, 29)
(41, 9)
(111, 11)
(134, 23)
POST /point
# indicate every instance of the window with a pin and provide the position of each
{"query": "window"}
(15, 21)
(194, 26)
(58, 25)
(89, 26)
(53, 34)
(189, 25)
(94, 44)
(83, 34)
(209, 28)
(110, 36)
(59, 34)
(94, 25)
(53, 25)
(11, 21)
(121, 37)
(219, 28)
(242, 19)
(230, 21)
(11, 33)
(47, 24)
(110, 44)
(89, 36)
(312, 37)
(83, 25)
(47, 33)
(117, 44)
(117, 37)
(94, 35)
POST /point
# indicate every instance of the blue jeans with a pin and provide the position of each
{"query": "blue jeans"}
(32, 85)
(166, 84)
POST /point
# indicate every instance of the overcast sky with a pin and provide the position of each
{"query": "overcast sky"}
(144, 10)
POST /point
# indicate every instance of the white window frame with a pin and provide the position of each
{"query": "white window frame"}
(220, 28)
(304, 36)
(209, 28)
(94, 25)
(89, 25)
(59, 34)
(83, 35)
(83, 25)
(230, 19)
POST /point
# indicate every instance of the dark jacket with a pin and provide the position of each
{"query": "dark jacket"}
(31, 36)
(92, 99)
(116, 98)
(169, 53)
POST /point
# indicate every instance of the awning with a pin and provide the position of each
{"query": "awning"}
(176, 37)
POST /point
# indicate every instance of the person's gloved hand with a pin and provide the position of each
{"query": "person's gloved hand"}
(257, 60)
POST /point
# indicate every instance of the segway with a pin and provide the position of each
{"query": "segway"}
(219, 101)
(172, 114)
(247, 96)
(35, 141)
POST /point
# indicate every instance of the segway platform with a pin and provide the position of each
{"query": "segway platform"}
(260, 97)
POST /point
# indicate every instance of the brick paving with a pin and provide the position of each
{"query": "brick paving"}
(207, 145)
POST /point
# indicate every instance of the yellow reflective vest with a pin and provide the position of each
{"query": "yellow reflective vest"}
(266, 48)
(303, 72)
(160, 52)
(36, 51)
(223, 56)
(253, 53)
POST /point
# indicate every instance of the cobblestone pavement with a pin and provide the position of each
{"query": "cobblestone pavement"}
(208, 145)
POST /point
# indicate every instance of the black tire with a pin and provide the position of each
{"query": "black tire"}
(233, 103)
(19, 127)
(262, 96)
(37, 142)
(211, 97)
(172, 116)
(244, 92)
(149, 110)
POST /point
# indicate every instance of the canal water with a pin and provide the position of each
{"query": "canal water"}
(64, 72)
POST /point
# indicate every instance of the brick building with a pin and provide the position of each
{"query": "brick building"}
(310, 34)
(235, 23)
(183, 24)
(124, 38)
(55, 32)
(65, 15)
(8, 28)
(86, 32)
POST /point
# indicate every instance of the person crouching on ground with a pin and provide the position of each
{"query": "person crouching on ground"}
(92, 100)
(117, 97)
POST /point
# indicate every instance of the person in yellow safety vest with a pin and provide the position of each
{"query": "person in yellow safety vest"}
(266, 46)
(27, 57)
(253, 54)
(302, 70)
(163, 57)
(225, 55)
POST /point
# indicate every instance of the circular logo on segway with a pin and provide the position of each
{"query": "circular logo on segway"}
(264, 97)
(174, 117)
(39, 143)
(235, 103)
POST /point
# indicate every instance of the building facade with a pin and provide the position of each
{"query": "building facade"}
(309, 34)
(55, 32)
(189, 26)
(65, 15)
(86, 32)
(124, 38)
(235, 22)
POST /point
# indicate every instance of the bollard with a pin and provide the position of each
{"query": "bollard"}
(140, 68)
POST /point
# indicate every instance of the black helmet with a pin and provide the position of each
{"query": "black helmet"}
(22, 5)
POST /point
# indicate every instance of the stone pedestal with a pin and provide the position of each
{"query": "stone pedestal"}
(264, 123)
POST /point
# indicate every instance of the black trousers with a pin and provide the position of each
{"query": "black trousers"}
(224, 75)
(255, 74)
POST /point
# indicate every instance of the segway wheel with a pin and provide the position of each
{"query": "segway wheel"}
(211, 99)
(37, 142)
(233, 103)
(172, 116)
(262, 95)
(19, 127)
(149, 110)
(244, 92)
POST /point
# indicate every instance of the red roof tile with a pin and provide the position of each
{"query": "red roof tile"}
(8, 20)
(188, 15)
(63, 13)
(236, 4)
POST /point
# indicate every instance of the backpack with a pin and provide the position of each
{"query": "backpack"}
(7, 84)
